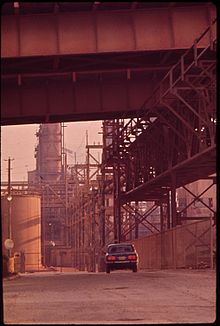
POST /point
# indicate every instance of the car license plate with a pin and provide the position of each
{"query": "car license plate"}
(122, 258)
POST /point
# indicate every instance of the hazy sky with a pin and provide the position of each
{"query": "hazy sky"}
(18, 142)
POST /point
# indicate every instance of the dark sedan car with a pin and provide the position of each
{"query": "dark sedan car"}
(121, 256)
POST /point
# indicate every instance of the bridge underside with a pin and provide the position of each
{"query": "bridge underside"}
(200, 166)
(92, 96)
(68, 62)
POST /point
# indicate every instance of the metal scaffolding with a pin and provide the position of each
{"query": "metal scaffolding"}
(170, 143)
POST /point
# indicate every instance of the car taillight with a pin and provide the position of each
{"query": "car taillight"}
(132, 257)
(111, 257)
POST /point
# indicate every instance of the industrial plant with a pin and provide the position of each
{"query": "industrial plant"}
(65, 214)
(152, 180)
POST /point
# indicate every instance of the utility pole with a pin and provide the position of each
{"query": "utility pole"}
(9, 175)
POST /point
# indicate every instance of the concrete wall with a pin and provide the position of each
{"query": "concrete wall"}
(181, 247)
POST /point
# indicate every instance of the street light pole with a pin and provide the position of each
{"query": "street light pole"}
(9, 223)
(9, 198)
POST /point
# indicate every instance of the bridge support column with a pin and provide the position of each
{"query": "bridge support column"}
(173, 199)
(161, 217)
(117, 208)
(168, 210)
(136, 220)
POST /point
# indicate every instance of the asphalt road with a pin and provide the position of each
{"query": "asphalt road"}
(122, 297)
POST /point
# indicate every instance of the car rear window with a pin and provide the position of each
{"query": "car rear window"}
(117, 249)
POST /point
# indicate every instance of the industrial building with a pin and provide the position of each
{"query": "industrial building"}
(75, 204)
(155, 184)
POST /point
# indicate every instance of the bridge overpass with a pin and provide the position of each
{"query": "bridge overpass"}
(80, 61)
(154, 63)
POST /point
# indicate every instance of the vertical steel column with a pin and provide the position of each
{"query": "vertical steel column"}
(71, 232)
(62, 144)
(168, 209)
(130, 225)
(161, 217)
(102, 212)
(82, 245)
(66, 200)
(118, 205)
(116, 183)
(136, 220)
(47, 203)
(74, 235)
(174, 216)
(77, 239)
(173, 199)
(117, 209)
(93, 230)
(80, 242)
(87, 161)
(43, 227)
(211, 244)
(75, 231)
(114, 203)
(162, 247)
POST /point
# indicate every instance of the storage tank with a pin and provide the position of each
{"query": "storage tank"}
(25, 227)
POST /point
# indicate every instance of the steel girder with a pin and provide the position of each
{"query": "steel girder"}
(182, 212)
(178, 122)
(42, 74)
(141, 218)
(25, 35)
(41, 99)
(172, 141)
(127, 218)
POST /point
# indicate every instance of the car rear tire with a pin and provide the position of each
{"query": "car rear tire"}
(107, 269)
(134, 269)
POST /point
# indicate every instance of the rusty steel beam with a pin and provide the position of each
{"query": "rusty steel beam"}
(101, 32)
(197, 167)
(197, 198)
(148, 170)
(142, 217)
(61, 99)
